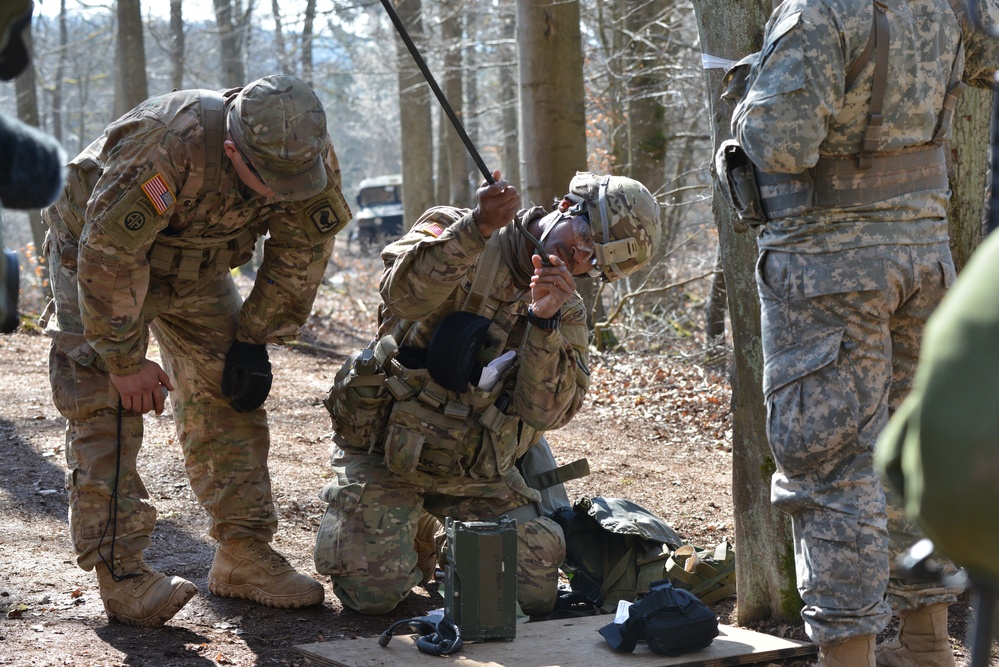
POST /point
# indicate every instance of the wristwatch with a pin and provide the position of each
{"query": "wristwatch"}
(544, 323)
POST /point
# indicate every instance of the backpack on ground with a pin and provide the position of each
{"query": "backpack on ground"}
(615, 549)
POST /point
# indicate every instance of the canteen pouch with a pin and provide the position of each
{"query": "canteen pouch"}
(737, 180)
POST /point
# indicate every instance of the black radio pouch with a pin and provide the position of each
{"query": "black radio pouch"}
(672, 621)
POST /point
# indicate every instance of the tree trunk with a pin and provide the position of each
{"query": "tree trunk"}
(646, 114)
(552, 107)
(552, 111)
(508, 95)
(457, 156)
(177, 53)
(60, 74)
(714, 317)
(231, 45)
(27, 111)
(967, 169)
(308, 36)
(415, 123)
(765, 572)
(131, 86)
(279, 44)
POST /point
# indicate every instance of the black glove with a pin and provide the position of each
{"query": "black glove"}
(247, 376)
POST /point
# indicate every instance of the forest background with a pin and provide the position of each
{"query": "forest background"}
(544, 89)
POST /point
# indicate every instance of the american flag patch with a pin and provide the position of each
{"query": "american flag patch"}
(158, 193)
(434, 229)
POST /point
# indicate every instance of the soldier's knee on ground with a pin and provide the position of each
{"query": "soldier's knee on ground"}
(540, 550)
(366, 595)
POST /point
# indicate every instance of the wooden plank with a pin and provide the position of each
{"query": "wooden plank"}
(568, 643)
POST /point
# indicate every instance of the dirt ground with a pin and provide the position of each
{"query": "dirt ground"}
(655, 429)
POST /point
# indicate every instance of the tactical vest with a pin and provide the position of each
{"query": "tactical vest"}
(188, 258)
(394, 407)
(869, 176)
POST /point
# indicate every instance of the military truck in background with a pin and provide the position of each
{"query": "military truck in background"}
(378, 218)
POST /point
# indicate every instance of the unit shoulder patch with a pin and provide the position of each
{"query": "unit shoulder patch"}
(134, 219)
(324, 215)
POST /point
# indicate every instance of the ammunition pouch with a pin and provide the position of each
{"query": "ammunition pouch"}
(737, 179)
(419, 425)
(440, 432)
(190, 264)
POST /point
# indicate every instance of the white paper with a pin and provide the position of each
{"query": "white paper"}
(714, 62)
(495, 369)
(621, 615)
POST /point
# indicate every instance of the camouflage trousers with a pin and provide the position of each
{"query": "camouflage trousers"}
(225, 452)
(366, 539)
(841, 334)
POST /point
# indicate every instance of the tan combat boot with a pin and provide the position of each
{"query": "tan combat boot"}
(854, 652)
(144, 596)
(922, 640)
(252, 570)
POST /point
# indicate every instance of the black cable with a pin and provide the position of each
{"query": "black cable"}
(437, 91)
(455, 121)
(112, 521)
(440, 637)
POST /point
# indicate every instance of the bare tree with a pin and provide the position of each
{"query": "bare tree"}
(176, 44)
(232, 24)
(307, 38)
(415, 123)
(27, 111)
(552, 109)
(508, 103)
(765, 571)
(60, 73)
(967, 168)
(452, 33)
(131, 86)
(279, 44)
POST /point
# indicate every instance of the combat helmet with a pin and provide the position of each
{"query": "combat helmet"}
(624, 220)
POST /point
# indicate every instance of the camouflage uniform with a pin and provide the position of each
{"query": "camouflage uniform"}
(462, 468)
(134, 246)
(846, 289)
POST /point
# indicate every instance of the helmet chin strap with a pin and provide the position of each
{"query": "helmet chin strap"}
(549, 222)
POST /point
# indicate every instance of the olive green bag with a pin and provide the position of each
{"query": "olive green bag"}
(941, 448)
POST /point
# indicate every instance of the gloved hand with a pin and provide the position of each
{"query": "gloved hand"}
(247, 376)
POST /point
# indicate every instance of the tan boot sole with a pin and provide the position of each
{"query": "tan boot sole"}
(249, 592)
(180, 597)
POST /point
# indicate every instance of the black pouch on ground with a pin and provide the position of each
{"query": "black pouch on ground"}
(672, 621)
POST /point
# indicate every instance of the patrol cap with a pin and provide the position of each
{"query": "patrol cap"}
(279, 125)
(15, 17)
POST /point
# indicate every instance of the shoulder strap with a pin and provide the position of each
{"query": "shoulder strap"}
(213, 120)
(954, 89)
(875, 121)
(485, 274)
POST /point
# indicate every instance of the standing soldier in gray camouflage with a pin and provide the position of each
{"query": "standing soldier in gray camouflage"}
(154, 214)
(425, 431)
(846, 119)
